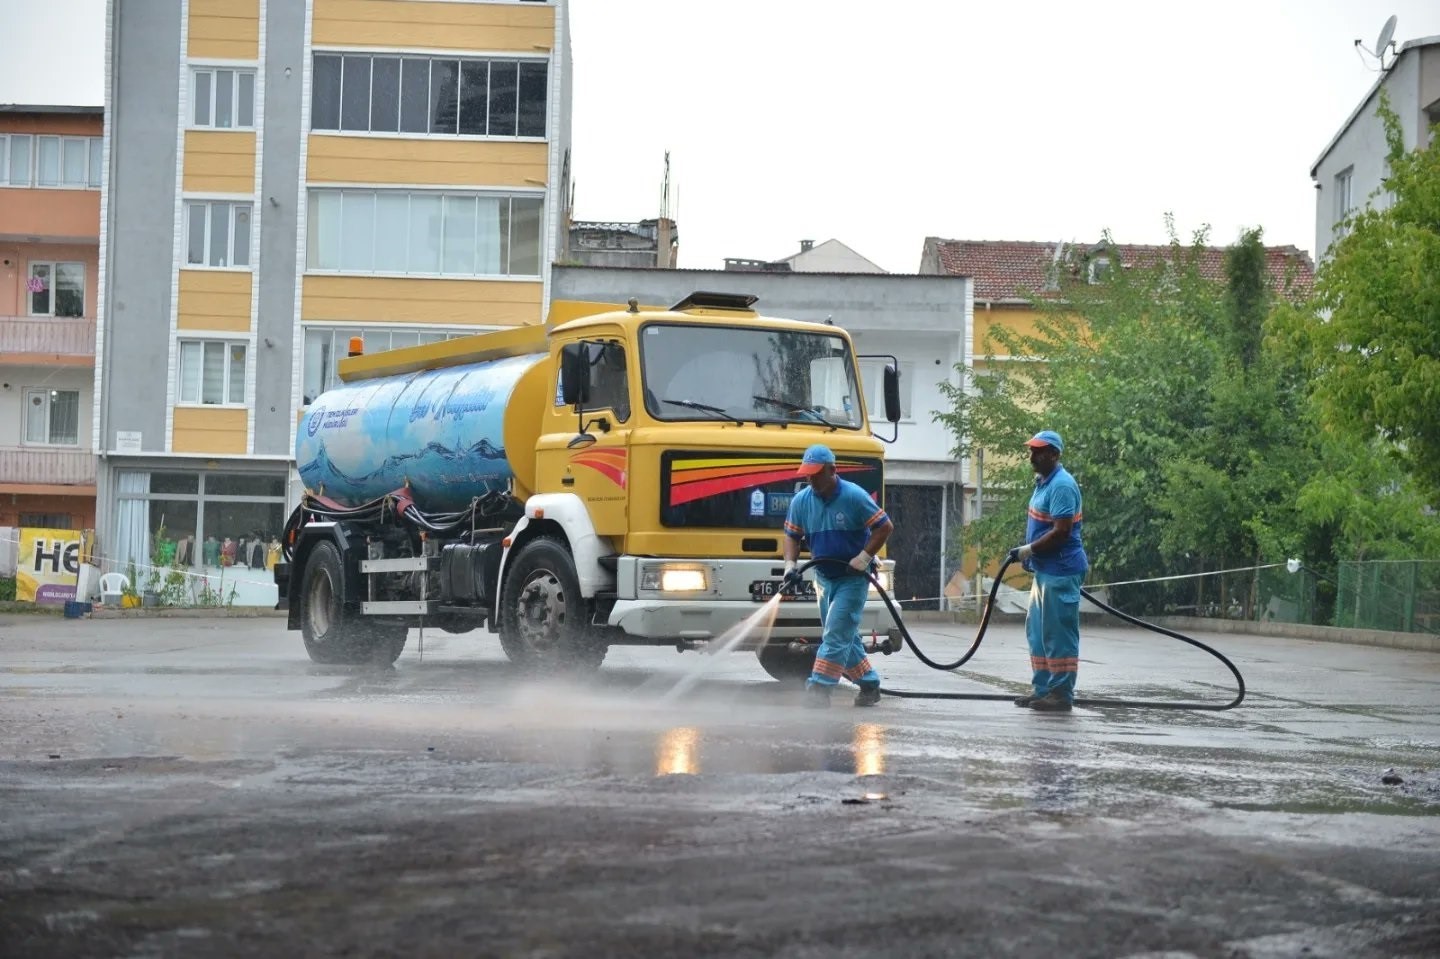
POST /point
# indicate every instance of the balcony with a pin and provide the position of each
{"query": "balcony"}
(47, 341)
(45, 466)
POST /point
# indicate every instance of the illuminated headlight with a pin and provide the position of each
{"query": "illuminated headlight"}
(675, 579)
(887, 581)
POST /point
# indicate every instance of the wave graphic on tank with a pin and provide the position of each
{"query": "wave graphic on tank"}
(439, 431)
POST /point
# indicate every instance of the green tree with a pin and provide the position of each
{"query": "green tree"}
(1370, 341)
(1188, 440)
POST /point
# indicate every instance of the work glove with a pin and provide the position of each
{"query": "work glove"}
(861, 562)
(792, 575)
(1022, 552)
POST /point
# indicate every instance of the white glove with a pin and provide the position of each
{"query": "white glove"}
(861, 562)
(1022, 553)
(792, 578)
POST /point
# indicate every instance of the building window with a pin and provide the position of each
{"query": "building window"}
(15, 159)
(222, 99)
(429, 96)
(217, 233)
(1096, 269)
(56, 289)
(70, 163)
(52, 417)
(1343, 198)
(67, 162)
(326, 345)
(212, 372)
(429, 234)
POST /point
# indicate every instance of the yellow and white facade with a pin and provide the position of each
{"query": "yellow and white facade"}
(283, 176)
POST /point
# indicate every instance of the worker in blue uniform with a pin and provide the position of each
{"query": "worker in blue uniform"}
(845, 529)
(1055, 555)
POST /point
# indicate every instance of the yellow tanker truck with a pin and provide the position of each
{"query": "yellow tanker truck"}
(620, 478)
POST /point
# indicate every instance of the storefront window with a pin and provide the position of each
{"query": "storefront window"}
(244, 532)
(172, 532)
(241, 484)
(174, 482)
(201, 523)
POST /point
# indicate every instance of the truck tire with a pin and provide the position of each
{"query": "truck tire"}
(777, 660)
(544, 621)
(333, 634)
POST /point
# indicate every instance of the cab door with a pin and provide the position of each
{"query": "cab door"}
(589, 454)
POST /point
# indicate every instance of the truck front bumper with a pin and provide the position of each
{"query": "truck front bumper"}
(652, 616)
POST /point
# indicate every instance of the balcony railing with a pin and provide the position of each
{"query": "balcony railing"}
(47, 466)
(36, 337)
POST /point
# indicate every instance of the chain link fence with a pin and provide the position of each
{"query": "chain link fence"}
(1397, 595)
(1392, 595)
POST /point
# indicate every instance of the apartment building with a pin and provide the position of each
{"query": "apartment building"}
(1350, 172)
(282, 176)
(50, 175)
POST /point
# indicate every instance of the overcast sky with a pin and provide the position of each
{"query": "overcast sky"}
(881, 124)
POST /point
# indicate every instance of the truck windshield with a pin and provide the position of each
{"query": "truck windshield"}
(744, 374)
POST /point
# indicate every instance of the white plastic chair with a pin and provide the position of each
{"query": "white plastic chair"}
(112, 588)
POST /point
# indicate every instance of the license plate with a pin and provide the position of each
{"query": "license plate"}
(764, 589)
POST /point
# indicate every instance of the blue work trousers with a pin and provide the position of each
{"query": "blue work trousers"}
(842, 651)
(1052, 625)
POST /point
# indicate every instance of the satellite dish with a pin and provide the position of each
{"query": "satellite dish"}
(1386, 33)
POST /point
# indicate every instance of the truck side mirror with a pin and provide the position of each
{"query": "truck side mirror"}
(892, 394)
(574, 374)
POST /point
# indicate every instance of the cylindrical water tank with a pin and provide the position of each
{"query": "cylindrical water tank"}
(441, 430)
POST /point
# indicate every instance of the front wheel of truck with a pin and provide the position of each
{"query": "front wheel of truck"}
(544, 621)
(333, 634)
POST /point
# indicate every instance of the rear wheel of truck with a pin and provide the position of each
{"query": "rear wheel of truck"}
(788, 666)
(544, 621)
(333, 634)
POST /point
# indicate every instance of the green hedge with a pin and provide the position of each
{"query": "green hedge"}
(7, 588)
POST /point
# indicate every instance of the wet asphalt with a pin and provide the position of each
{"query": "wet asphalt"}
(196, 787)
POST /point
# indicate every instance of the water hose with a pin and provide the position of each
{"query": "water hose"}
(985, 623)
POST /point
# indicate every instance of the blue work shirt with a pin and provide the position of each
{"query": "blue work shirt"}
(838, 528)
(1056, 496)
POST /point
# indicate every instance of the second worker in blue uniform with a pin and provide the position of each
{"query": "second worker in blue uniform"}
(845, 528)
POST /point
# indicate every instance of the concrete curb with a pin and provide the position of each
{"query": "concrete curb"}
(1420, 642)
(189, 612)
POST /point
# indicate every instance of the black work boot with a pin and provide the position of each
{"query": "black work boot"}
(1026, 700)
(817, 696)
(1051, 702)
(869, 695)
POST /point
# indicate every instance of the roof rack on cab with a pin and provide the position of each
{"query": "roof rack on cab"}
(701, 300)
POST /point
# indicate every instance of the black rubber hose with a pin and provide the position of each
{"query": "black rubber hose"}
(985, 623)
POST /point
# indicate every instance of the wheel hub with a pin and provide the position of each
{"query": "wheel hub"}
(542, 611)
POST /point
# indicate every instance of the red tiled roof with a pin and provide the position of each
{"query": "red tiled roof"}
(1007, 270)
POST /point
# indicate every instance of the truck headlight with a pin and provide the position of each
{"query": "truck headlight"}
(675, 579)
(887, 581)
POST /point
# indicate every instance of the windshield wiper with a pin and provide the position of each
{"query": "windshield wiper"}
(704, 408)
(786, 405)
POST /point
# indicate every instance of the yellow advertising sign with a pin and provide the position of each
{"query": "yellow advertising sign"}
(47, 567)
